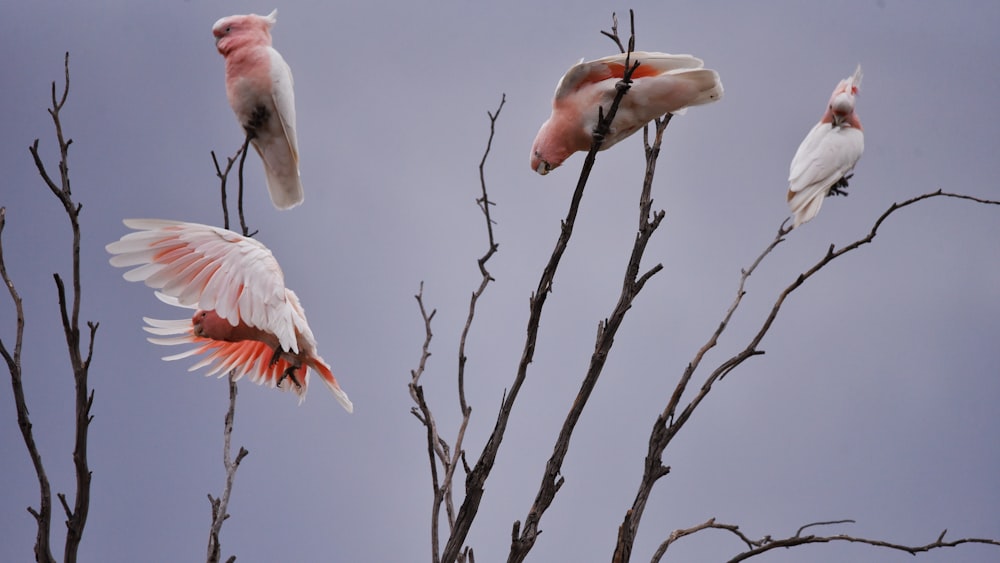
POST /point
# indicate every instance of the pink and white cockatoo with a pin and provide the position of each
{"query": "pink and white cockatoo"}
(259, 88)
(827, 155)
(661, 84)
(246, 320)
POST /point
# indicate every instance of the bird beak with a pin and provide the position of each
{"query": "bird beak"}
(543, 167)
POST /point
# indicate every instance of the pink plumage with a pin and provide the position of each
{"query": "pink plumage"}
(259, 89)
(662, 84)
(246, 319)
(828, 154)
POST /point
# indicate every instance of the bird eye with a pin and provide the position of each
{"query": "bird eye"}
(229, 28)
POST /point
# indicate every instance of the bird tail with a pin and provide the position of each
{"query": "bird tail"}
(805, 204)
(704, 81)
(281, 172)
(327, 376)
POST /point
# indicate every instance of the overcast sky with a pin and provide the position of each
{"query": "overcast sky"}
(877, 397)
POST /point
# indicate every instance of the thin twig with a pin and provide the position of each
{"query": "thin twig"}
(824, 523)
(223, 175)
(438, 449)
(220, 505)
(423, 413)
(613, 34)
(239, 201)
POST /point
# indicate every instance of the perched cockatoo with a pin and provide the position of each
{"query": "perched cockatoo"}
(827, 155)
(259, 88)
(661, 84)
(246, 319)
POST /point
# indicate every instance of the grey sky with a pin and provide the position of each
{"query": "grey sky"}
(876, 399)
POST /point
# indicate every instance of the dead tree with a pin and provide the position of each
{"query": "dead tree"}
(79, 358)
(445, 457)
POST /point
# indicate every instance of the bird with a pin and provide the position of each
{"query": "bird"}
(661, 84)
(246, 320)
(259, 88)
(825, 160)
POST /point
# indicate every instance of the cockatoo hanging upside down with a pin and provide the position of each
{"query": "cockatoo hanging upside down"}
(661, 84)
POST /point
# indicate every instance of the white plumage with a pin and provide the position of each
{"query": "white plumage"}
(828, 153)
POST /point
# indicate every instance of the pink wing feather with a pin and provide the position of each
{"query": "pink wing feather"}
(204, 267)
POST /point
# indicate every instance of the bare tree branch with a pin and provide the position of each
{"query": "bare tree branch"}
(824, 523)
(438, 449)
(668, 423)
(767, 543)
(43, 516)
(76, 516)
(613, 34)
(423, 413)
(476, 479)
(251, 134)
(223, 175)
(221, 504)
(607, 330)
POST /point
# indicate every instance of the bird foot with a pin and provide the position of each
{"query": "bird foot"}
(257, 120)
(840, 188)
(289, 371)
(290, 374)
(275, 356)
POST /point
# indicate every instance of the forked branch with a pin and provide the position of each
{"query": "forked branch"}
(438, 449)
(220, 505)
(476, 479)
(669, 422)
(767, 543)
(607, 330)
(69, 310)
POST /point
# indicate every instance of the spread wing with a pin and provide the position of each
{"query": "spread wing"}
(212, 269)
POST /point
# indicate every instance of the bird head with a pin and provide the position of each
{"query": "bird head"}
(196, 321)
(549, 149)
(842, 105)
(232, 31)
(208, 324)
(843, 99)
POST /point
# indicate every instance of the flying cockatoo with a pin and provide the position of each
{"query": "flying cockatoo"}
(246, 319)
(259, 88)
(661, 84)
(827, 155)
